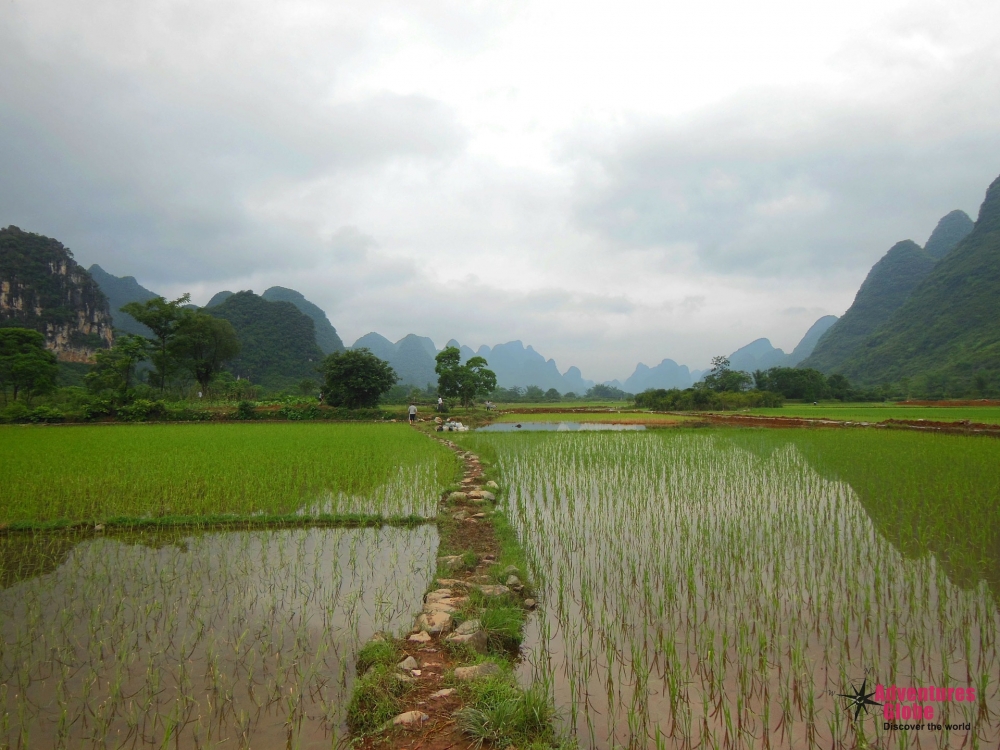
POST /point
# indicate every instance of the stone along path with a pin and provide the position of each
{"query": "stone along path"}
(465, 526)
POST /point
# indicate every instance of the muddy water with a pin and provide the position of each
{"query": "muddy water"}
(233, 639)
(561, 427)
(695, 594)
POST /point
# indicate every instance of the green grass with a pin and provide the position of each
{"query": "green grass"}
(500, 714)
(94, 473)
(880, 412)
(376, 700)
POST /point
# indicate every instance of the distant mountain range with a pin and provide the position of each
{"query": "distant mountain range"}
(757, 355)
(928, 314)
(412, 357)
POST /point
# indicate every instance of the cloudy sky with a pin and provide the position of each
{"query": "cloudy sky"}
(610, 182)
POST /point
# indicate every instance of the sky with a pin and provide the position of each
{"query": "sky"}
(611, 183)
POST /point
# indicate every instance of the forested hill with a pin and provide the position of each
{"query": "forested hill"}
(948, 330)
(884, 291)
(278, 340)
(951, 230)
(120, 290)
(42, 287)
(326, 335)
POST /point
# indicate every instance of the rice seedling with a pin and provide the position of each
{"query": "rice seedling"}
(199, 639)
(725, 588)
(136, 472)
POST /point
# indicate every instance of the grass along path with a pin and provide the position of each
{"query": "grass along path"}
(450, 684)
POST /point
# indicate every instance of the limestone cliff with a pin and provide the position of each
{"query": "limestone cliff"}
(43, 288)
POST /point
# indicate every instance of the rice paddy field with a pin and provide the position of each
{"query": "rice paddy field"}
(725, 588)
(169, 629)
(882, 412)
(94, 473)
(709, 588)
(206, 640)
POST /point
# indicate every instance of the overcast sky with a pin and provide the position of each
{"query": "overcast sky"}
(610, 182)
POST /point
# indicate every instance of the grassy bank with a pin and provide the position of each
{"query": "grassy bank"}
(882, 412)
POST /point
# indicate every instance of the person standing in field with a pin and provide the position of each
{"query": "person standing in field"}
(413, 413)
(440, 404)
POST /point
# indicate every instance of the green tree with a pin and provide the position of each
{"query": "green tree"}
(163, 319)
(116, 367)
(552, 395)
(604, 392)
(465, 382)
(26, 368)
(533, 394)
(356, 378)
(721, 379)
(202, 344)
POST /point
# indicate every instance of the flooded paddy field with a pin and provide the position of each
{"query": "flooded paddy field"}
(204, 586)
(725, 589)
(196, 639)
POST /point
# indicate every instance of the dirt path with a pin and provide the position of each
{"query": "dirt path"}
(469, 534)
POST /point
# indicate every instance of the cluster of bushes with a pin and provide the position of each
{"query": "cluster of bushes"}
(726, 390)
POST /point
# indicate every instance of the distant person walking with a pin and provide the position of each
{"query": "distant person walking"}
(413, 413)
(440, 404)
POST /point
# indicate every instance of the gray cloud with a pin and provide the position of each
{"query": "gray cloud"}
(159, 175)
(789, 186)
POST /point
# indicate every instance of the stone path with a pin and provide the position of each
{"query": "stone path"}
(464, 525)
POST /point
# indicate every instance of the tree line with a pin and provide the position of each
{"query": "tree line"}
(725, 388)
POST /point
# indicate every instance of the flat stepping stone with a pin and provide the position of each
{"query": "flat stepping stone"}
(420, 637)
(477, 641)
(409, 663)
(434, 622)
(446, 693)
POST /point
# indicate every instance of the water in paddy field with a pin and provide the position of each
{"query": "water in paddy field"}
(561, 427)
(699, 594)
(193, 640)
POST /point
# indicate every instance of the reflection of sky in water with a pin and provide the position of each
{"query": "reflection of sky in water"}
(223, 636)
(560, 427)
(686, 580)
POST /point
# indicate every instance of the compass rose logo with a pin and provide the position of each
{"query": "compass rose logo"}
(859, 700)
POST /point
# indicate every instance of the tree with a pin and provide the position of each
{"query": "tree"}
(202, 344)
(163, 319)
(604, 392)
(465, 382)
(116, 367)
(721, 379)
(552, 395)
(26, 367)
(355, 379)
(533, 394)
